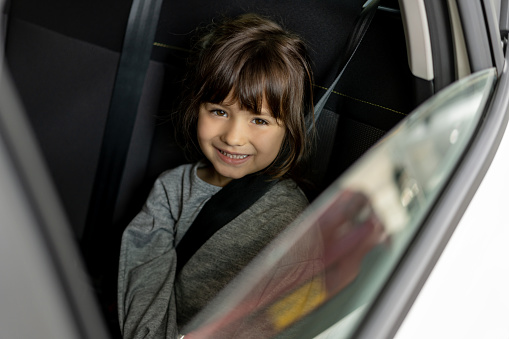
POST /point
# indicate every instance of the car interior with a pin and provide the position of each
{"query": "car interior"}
(65, 60)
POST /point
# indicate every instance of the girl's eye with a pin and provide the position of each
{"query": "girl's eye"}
(258, 121)
(219, 113)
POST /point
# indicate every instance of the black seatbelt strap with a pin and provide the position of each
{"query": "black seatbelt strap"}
(222, 207)
(127, 90)
(361, 27)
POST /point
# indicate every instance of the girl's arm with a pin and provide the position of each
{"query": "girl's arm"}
(147, 268)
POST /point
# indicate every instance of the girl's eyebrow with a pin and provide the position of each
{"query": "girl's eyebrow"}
(216, 106)
(265, 113)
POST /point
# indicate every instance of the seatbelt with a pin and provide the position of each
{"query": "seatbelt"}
(361, 27)
(127, 90)
(232, 199)
(222, 207)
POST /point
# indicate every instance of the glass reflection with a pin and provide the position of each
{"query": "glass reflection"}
(320, 276)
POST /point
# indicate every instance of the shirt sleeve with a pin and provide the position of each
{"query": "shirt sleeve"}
(146, 306)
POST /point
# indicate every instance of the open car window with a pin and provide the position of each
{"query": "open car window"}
(320, 277)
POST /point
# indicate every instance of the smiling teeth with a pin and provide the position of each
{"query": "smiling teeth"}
(233, 156)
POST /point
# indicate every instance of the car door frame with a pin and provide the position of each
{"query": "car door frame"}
(393, 304)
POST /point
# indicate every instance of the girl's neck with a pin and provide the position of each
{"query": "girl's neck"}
(210, 176)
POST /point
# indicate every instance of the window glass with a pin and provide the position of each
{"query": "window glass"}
(320, 276)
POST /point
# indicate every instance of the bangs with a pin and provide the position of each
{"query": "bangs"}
(250, 81)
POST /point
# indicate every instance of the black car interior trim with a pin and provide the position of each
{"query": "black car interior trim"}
(495, 39)
(441, 43)
(474, 30)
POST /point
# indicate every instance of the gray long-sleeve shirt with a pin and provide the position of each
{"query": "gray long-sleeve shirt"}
(153, 301)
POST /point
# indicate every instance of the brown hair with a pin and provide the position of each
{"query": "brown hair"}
(254, 58)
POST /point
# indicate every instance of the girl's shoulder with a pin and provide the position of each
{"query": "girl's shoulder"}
(173, 179)
(176, 174)
(286, 191)
(288, 186)
(184, 178)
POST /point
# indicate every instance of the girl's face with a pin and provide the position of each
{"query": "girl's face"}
(236, 141)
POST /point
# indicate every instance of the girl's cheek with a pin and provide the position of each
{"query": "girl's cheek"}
(204, 124)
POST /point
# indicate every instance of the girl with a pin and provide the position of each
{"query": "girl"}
(244, 110)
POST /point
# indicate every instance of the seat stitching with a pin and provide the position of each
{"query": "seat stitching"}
(363, 101)
(159, 44)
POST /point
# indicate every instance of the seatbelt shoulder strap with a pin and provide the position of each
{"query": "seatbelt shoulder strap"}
(222, 207)
(361, 27)
(127, 90)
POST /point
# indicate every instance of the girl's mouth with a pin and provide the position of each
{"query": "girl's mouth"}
(233, 156)
(232, 159)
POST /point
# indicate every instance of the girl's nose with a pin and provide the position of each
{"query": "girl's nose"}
(234, 133)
